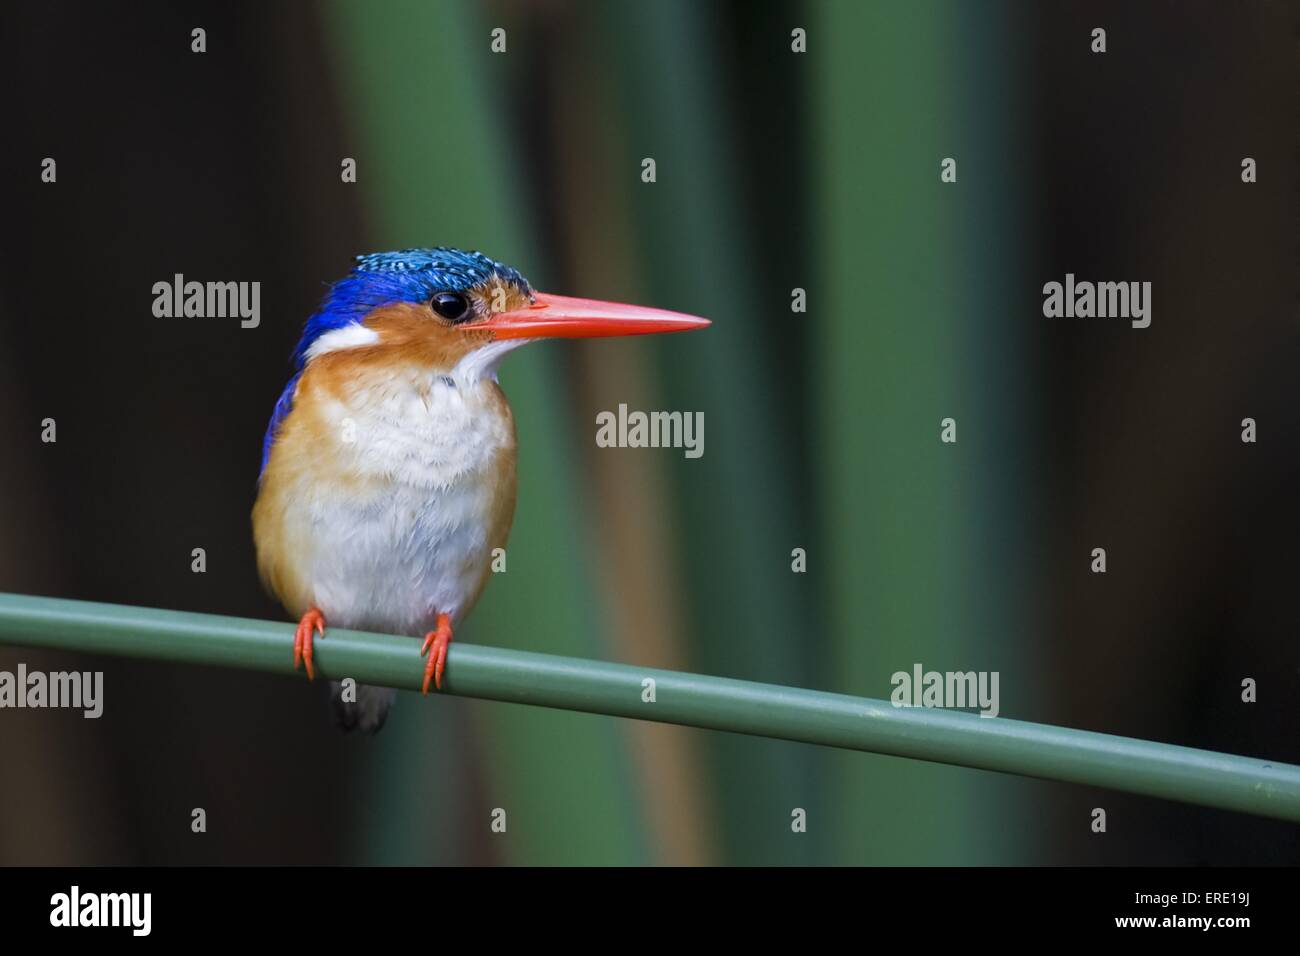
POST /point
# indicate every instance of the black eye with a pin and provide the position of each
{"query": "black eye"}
(452, 306)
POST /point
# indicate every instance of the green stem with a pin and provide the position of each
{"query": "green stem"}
(767, 710)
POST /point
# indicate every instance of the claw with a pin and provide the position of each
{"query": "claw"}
(439, 640)
(312, 623)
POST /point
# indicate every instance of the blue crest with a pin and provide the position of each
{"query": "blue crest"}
(383, 278)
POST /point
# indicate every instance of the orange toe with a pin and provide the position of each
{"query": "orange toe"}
(435, 645)
(312, 623)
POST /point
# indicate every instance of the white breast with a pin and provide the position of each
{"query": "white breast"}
(399, 523)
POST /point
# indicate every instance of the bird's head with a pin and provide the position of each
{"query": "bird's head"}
(456, 310)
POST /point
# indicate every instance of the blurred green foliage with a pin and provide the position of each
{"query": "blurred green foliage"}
(797, 406)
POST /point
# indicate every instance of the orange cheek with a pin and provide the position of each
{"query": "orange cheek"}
(413, 332)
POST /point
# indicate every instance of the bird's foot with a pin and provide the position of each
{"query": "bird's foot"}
(436, 643)
(312, 623)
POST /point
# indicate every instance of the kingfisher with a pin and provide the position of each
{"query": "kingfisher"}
(388, 468)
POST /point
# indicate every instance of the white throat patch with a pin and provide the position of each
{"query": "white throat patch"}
(483, 362)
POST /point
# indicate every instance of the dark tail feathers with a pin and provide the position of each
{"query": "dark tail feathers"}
(365, 708)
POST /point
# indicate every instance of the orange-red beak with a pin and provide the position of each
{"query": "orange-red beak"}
(562, 317)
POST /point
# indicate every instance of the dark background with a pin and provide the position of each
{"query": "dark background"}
(776, 171)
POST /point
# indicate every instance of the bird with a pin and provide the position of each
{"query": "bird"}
(388, 473)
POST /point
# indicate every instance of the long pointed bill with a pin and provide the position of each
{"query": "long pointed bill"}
(562, 317)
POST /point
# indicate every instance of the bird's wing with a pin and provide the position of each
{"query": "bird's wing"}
(282, 409)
